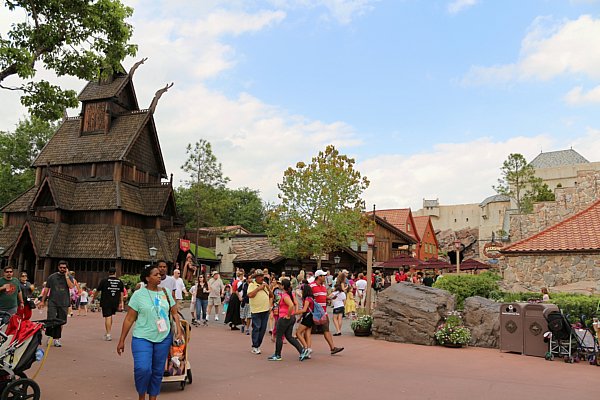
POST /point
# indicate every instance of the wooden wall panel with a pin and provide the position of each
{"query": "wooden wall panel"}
(94, 117)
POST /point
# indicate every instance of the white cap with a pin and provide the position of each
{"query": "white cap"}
(320, 272)
(311, 279)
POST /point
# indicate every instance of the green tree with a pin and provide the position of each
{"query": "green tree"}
(74, 38)
(18, 149)
(538, 191)
(517, 175)
(321, 208)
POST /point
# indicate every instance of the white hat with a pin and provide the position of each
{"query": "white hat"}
(320, 272)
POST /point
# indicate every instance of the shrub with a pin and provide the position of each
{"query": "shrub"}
(452, 331)
(130, 281)
(463, 286)
(363, 322)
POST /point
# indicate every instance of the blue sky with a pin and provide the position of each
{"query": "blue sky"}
(429, 96)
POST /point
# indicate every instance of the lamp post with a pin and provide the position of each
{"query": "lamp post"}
(370, 236)
(337, 260)
(1, 257)
(152, 250)
(457, 246)
(219, 257)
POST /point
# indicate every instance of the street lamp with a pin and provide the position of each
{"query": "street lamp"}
(153, 250)
(1, 257)
(370, 236)
(219, 257)
(337, 259)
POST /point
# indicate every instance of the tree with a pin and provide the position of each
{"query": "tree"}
(18, 149)
(205, 174)
(321, 208)
(519, 182)
(74, 38)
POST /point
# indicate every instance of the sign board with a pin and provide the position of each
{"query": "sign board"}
(184, 244)
(492, 250)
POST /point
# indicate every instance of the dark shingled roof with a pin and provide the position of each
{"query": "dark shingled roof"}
(8, 236)
(84, 241)
(99, 91)
(254, 249)
(41, 234)
(135, 242)
(21, 203)
(558, 158)
(497, 198)
(68, 147)
(154, 199)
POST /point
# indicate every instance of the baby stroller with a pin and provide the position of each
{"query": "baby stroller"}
(178, 368)
(573, 343)
(19, 349)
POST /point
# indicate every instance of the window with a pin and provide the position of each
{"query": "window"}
(408, 227)
(354, 245)
(454, 219)
(467, 219)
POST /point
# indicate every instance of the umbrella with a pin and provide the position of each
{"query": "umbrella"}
(472, 264)
(403, 260)
(435, 264)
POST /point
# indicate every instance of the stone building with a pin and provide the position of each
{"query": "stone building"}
(558, 245)
(99, 199)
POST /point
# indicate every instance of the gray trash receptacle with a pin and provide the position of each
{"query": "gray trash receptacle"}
(511, 327)
(534, 326)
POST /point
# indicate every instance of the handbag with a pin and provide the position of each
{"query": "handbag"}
(319, 314)
(172, 320)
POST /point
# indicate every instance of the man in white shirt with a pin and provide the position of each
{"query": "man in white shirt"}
(361, 290)
(179, 288)
(166, 281)
(216, 288)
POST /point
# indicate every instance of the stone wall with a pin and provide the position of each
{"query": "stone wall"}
(560, 273)
(569, 201)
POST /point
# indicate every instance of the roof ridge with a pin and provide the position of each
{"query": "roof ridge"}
(553, 227)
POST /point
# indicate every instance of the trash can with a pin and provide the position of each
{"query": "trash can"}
(534, 327)
(511, 327)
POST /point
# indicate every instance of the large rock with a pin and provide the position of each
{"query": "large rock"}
(482, 317)
(410, 313)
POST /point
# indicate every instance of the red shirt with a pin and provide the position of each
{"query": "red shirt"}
(320, 293)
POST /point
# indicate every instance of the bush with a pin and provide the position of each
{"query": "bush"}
(463, 286)
(130, 281)
(576, 305)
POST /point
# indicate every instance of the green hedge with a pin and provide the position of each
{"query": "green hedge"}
(463, 286)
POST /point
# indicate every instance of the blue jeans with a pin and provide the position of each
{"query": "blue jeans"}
(201, 309)
(259, 327)
(149, 360)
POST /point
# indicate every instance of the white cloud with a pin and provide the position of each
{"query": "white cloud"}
(578, 96)
(456, 173)
(459, 5)
(343, 11)
(548, 50)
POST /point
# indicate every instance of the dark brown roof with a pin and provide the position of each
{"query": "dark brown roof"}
(99, 91)
(154, 198)
(8, 236)
(21, 203)
(68, 147)
(84, 241)
(254, 249)
(41, 233)
(135, 242)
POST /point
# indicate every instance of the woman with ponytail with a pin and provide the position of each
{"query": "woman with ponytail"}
(285, 323)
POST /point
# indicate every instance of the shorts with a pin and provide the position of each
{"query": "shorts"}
(109, 310)
(83, 303)
(214, 301)
(338, 310)
(245, 312)
(307, 320)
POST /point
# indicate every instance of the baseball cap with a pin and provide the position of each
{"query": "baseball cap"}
(258, 272)
(320, 272)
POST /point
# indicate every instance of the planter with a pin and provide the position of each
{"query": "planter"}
(453, 345)
(362, 331)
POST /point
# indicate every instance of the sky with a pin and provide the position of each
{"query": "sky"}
(428, 96)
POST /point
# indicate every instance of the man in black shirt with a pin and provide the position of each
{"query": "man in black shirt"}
(111, 298)
(57, 293)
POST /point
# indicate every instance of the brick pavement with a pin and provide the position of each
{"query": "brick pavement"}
(223, 367)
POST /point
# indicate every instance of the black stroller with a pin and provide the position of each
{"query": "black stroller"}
(572, 343)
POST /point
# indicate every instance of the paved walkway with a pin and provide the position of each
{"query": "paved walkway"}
(224, 368)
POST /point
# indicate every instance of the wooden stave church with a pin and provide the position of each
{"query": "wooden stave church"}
(99, 199)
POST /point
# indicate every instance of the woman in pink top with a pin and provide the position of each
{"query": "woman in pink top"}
(285, 323)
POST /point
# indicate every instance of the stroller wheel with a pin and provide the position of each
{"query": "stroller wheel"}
(189, 376)
(21, 389)
(549, 356)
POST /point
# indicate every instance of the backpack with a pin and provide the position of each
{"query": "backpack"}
(319, 315)
(378, 283)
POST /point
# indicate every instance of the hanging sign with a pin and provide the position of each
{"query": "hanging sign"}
(184, 245)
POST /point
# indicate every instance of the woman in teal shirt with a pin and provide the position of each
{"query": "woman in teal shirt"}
(149, 309)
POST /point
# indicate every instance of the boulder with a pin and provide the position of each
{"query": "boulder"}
(410, 313)
(482, 317)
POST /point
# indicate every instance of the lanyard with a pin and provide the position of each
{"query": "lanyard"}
(155, 303)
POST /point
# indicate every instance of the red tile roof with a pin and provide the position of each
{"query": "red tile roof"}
(578, 233)
(421, 225)
(397, 217)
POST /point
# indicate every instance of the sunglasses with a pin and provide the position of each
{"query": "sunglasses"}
(8, 272)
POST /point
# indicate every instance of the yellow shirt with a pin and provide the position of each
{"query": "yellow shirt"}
(260, 302)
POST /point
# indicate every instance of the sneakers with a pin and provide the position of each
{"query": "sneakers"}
(205, 322)
(216, 318)
(255, 350)
(337, 334)
(308, 353)
(57, 343)
(107, 337)
(336, 350)
(248, 332)
(303, 355)
(274, 357)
